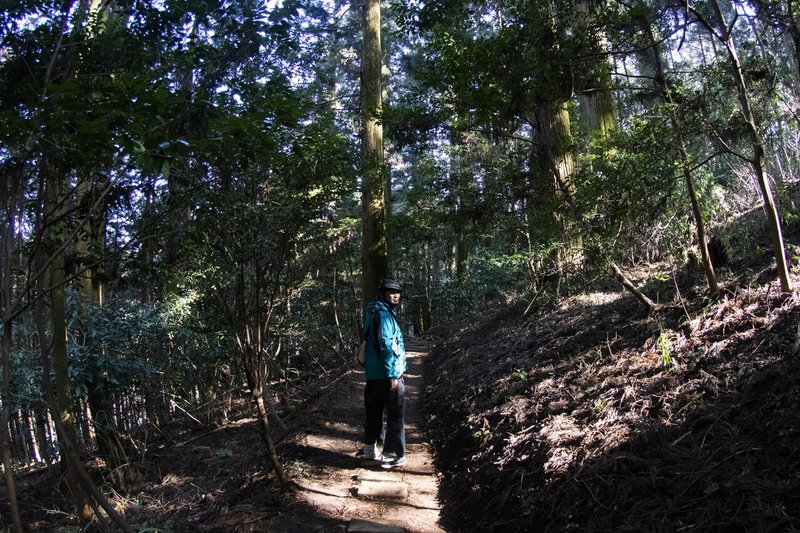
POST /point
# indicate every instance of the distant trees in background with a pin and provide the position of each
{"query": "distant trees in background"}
(182, 186)
(604, 124)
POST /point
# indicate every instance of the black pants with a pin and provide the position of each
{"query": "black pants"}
(377, 396)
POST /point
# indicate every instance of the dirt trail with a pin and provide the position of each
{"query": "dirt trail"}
(338, 490)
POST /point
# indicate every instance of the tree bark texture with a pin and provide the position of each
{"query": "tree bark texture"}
(373, 183)
(596, 102)
(11, 193)
(56, 285)
(554, 142)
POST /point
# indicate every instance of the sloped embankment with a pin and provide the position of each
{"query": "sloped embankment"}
(594, 417)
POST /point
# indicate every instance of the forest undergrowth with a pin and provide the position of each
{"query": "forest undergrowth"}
(585, 414)
(591, 414)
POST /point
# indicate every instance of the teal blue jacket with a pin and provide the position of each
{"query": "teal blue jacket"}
(385, 349)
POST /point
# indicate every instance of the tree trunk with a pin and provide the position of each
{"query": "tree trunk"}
(256, 379)
(596, 102)
(44, 439)
(554, 143)
(33, 442)
(599, 111)
(77, 473)
(702, 240)
(660, 81)
(373, 183)
(55, 281)
(90, 249)
(7, 295)
(723, 32)
(121, 472)
(91, 242)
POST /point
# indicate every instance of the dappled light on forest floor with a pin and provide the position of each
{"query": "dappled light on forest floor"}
(599, 417)
(220, 480)
(591, 299)
(330, 475)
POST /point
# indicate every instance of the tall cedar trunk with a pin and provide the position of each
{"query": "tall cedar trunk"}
(599, 109)
(373, 183)
(722, 31)
(17, 444)
(44, 438)
(56, 284)
(653, 59)
(33, 441)
(554, 144)
(22, 421)
(91, 242)
(90, 248)
(11, 194)
(596, 102)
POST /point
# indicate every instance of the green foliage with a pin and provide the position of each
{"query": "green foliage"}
(222, 142)
(224, 453)
(634, 186)
(495, 278)
(664, 345)
(25, 384)
(125, 345)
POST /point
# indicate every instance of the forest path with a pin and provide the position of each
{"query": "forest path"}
(339, 491)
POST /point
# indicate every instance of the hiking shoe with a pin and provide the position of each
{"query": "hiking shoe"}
(371, 454)
(394, 462)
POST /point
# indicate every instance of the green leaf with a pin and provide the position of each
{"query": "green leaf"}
(224, 452)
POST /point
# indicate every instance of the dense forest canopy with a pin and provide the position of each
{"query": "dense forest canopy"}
(181, 186)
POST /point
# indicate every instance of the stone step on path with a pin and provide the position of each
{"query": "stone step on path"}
(378, 485)
(340, 491)
(358, 525)
(402, 499)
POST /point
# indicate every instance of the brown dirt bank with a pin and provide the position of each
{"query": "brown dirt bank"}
(592, 416)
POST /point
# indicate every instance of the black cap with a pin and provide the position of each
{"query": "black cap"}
(390, 283)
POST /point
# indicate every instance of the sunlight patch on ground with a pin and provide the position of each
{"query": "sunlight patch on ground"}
(594, 298)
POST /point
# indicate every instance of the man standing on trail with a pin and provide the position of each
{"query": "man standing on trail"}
(385, 364)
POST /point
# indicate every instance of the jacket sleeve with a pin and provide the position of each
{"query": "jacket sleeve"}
(392, 350)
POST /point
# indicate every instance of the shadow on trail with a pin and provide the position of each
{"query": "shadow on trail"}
(323, 458)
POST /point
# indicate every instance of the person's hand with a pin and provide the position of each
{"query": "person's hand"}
(394, 384)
